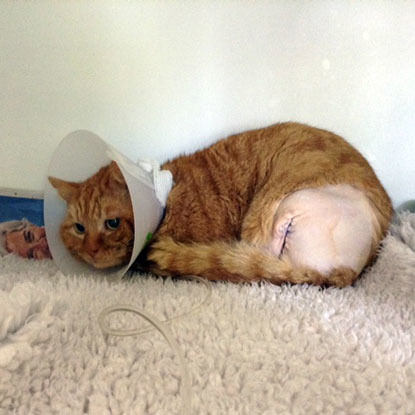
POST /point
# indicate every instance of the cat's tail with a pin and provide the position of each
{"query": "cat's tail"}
(237, 262)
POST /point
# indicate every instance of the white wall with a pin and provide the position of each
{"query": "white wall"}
(157, 78)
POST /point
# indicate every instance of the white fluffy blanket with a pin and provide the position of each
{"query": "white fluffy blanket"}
(256, 349)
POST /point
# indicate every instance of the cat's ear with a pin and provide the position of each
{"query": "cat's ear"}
(115, 174)
(66, 190)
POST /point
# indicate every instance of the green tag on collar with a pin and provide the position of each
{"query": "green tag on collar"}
(148, 239)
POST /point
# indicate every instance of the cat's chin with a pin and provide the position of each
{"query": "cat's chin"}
(103, 265)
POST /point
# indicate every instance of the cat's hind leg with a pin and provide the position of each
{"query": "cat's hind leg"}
(328, 230)
(318, 236)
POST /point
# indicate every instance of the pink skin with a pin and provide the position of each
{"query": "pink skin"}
(29, 243)
(324, 228)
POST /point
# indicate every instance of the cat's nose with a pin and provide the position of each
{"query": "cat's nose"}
(92, 244)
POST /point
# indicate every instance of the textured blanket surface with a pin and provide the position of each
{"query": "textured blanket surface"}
(254, 350)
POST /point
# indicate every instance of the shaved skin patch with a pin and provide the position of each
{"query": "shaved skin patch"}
(324, 228)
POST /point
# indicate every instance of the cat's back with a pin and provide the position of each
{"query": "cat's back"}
(215, 186)
(293, 149)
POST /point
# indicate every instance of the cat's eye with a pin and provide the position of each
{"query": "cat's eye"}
(79, 228)
(112, 224)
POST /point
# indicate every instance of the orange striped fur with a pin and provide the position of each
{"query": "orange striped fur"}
(91, 203)
(220, 212)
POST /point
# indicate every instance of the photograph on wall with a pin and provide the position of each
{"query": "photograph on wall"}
(22, 230)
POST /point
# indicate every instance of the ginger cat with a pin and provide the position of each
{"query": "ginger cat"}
(287, 203)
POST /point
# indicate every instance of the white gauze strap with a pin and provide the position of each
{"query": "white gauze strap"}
(162, 179)
(148, 172)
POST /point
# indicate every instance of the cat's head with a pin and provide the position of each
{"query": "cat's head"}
(99, 224)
